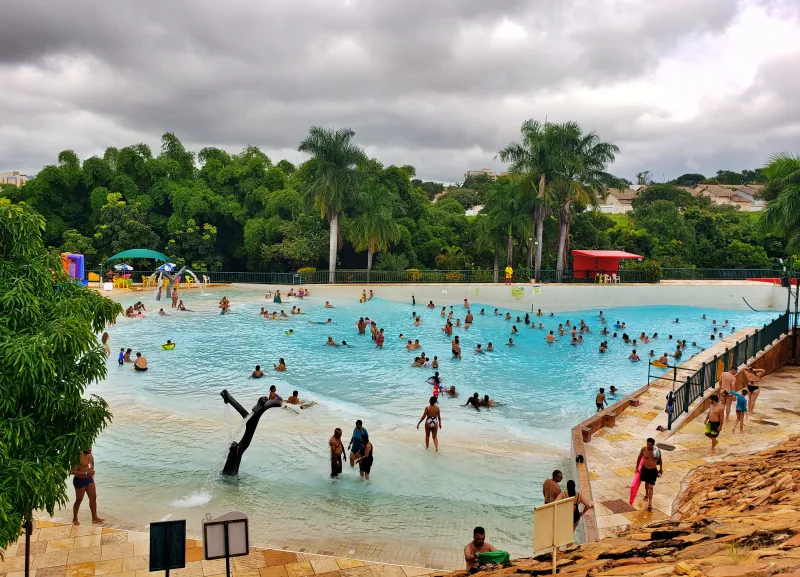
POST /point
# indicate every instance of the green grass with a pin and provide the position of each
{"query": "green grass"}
(622, 219)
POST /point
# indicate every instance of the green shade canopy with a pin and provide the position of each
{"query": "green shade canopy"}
(138, 253)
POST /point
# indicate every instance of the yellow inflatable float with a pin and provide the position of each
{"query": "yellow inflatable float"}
(168, 346)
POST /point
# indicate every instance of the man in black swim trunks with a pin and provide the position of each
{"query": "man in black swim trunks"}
(652, 469)
(714, 421)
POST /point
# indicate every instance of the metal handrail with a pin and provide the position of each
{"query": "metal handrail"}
(709, 372)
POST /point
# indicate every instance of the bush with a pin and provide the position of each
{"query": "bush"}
(482, 276)
(651, 269)
(306, 273)
(414, 274)
(453, 276)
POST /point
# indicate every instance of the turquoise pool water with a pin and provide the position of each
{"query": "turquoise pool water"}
(162, 454)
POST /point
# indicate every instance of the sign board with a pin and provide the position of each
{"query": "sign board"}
(444, 291)
(167, 545)
(536, 290)
(108, 286)
(552, 525)
(226, 536)
(517, 292)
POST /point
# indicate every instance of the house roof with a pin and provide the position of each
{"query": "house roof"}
(624, 196)
(605, 254)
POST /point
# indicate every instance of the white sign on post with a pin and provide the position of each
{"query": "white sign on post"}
(552, 526)
(226, 537)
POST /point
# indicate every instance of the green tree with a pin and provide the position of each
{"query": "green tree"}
(49, 355)
(73, 241)
(782, 215)
(374, 228)
(194, 246)
(729, 177)
(451, 258)
(690, 179)
(505, 209)
(122, 227)
(539, 157)
(584, 179)
(464, 196)
(644, 178)
(333, 178)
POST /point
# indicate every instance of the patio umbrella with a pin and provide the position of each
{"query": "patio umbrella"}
(123, 267)
(167, 266)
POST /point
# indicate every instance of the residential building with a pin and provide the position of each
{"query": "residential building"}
(14, 178)
(744, 196)
(618, 201)
(474, 210)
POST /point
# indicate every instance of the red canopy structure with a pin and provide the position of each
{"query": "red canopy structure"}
(588, 263)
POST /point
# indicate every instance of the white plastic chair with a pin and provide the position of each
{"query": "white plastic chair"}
(606, 279)
(614, 278)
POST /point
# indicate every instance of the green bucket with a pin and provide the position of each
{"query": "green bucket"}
(498, 557)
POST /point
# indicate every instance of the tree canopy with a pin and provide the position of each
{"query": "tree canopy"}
(49, 355)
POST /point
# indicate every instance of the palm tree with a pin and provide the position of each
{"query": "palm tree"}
(782, 215)
(538, 156)
(374, 229)
(506, 211)
(451, 258)
(334, 158)
(490, 236)
(584, 179)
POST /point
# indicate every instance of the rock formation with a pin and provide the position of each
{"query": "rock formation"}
(737, 518)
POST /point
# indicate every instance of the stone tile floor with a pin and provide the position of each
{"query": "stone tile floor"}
(611, 454)
(59, 550)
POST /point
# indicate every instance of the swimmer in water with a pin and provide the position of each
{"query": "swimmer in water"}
(435, 362)
(182, 307)
(550, 338)
(510, 343)
(514, 329)
(417, 321)
(329, 321)
(444, 311)
(281, 366)
(634, 357)
(290, 332)
(258, 373)
(488, 403)
(478, 349)
(539, 313)
(489, 347)
(262, 312)
(451, 391)
(483, 312)
(402, 337)
(329, 305)
(431, 305)
(508, 316)
(496, 312)
(295, 400)
(474, 400)
(331, 342)
(456, 348)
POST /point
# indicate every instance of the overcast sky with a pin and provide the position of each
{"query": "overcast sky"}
(679, 85)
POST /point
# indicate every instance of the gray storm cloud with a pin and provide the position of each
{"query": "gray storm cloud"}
(440, 85)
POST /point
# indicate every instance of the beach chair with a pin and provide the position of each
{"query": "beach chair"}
(614, 278)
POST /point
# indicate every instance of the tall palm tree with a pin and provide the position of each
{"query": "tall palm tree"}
(374, 228)
(490, 236)
(335, 158)
(782, 215)
(538, 156)
(584, 179)
(506, 211)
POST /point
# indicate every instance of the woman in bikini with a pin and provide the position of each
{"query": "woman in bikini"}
(433, 422)
(753, 376)
(579, 499)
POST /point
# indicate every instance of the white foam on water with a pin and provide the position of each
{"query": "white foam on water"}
(194, 499)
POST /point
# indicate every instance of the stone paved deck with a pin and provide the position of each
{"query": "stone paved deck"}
(611, 454)
(59, 550)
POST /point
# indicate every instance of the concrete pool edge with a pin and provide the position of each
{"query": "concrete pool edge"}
(773, 357)
(734, 295)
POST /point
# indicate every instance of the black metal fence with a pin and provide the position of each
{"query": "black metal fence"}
(708, 374)
(719, 273)
(521, 275)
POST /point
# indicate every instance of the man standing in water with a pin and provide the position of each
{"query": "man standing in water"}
(355, 443)
(433, 422)
(714, 421)
(551, 488)
(337, 453)
(83, 481)
(652, 469)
